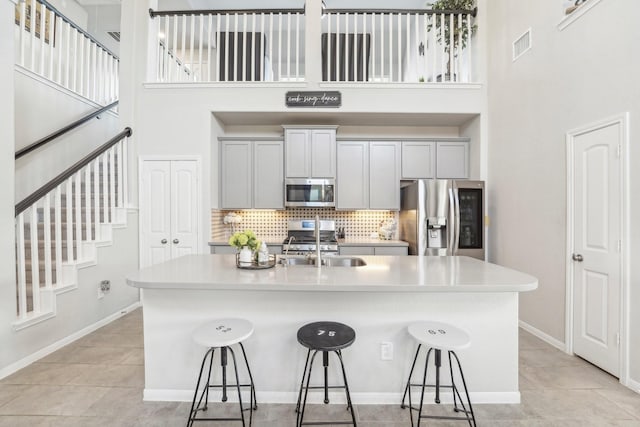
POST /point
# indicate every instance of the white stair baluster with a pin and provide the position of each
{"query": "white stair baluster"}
(112, 184)
(57, 206)
(35, 260)
(105, 190)
(87, 202)
(78, 214)
(52, 20)
(22, 266)
(48, 276)
(81, 60)
(96, 197)
(22, 32)
(69, 219)
(43, 14)
(67, 61)
(74, 80)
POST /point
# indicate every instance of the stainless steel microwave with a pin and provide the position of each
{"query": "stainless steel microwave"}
(313, 192)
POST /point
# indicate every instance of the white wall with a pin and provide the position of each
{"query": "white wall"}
(42, 108)
(570, 78)
(7, 243)
(72, 10)
(103, 18)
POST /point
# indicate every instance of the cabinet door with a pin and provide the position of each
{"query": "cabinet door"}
(418, 159)
(236, 171)
(391, 250)
(384, 175)
(356, 250)
(352, 181)
(452, 160)
(297, 153)
(268, 181)
(323, 153)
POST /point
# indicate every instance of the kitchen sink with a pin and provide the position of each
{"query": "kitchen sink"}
(330, 261)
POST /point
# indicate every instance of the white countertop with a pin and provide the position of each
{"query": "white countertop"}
(381, 274)
(350, 241)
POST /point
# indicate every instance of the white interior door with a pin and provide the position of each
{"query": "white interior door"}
(184, 208)
(596, 246)
(155, 212)
(168, 210)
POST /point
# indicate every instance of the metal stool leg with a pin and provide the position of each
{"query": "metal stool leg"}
(325, 367)
(346, 388)
(195, 408)
(235, 368)
(304, 373)
(424, 384)
(466, 392)
(254, 403)
(406, 389)
(300, 416)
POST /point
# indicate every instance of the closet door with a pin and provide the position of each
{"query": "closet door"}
(184, 208)
(155, 212)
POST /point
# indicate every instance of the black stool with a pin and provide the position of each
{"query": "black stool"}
(324, 337)
(438, 336)
(222, 334)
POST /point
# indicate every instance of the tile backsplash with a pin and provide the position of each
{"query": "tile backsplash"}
(273, 224)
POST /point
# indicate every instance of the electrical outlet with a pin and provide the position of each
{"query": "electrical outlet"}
(100, 292)
(104, 286)
(386, 350)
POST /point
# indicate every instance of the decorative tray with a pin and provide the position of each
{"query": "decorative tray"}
(255, 265)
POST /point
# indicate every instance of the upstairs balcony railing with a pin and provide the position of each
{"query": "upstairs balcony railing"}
(356, 46)
(51, 45)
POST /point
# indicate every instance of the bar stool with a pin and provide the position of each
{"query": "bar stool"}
(325, 337)
(222, 334)
(438, 336)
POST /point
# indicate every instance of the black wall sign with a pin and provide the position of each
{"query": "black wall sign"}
(329, 99)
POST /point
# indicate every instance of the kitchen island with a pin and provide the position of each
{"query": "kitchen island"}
(379, 300)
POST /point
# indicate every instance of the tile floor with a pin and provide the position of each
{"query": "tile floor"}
(98, 381)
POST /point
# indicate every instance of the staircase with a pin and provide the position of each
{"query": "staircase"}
(59, 227)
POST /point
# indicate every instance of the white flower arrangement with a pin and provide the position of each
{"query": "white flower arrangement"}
(387, 229)
(232, 219)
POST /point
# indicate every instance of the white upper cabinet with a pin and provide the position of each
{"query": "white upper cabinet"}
(418, 159)
(384, 175)
(452, 160)
(310, 153)
(251, 174)
(368, 175)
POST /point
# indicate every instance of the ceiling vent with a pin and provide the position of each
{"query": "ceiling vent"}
(115, 35)
(522, 44)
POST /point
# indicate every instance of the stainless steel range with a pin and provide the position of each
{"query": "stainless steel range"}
(301, 237)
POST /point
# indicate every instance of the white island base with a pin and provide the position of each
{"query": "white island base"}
(180, 295)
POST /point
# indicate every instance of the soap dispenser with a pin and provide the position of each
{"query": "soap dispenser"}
(263, 254)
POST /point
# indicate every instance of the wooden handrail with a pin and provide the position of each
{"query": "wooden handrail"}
(43, 141)
(51, 185)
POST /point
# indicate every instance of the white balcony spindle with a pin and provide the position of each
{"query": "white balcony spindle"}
(443, 52)
(57, 232)
(451, 47)
(432, 33)
(236, 50)
(48, 276)
(469, 62)
(338, 47)
(69, 219)
(416, 23)
(22, 263)
(458, 54)
(217, 70)
(243, 64)
(23, 32)
(365, 49)
(271, 44)
(43, 15)
(112, 184)
(209, 34)
(78, 214)
(96, 198)
(289, 45)
(329, 37)
(35, 259)
(170, 71)
(87, 202)
(356, 57)
(192, 47)
(399, 54)
(345, 65)
(252, 72)
(226, 65)
(280, 46)
(183, 43)
(198, 76)
(373, 45)
(297, 59)
(262, 47)
(391, 47)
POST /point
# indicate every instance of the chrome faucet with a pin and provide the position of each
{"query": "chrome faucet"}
(286, 251)
(317, 231)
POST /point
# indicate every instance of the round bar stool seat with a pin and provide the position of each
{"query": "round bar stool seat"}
(439, 337)
(324, 337)
(221, 334)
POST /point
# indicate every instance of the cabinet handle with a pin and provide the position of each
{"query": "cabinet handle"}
(176, 241)
(163, 241)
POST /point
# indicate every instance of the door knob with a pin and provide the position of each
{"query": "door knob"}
(577, 257)
(176, 241)
(163, 241)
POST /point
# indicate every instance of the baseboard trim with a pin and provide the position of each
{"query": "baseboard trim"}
(543, 336)
(163, 395)
(633, 385)
(26, 361)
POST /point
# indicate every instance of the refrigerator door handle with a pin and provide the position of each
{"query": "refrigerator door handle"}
(457, 221)
(451, 224)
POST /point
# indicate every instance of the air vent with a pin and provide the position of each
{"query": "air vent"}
(522, 44)
(115, 35)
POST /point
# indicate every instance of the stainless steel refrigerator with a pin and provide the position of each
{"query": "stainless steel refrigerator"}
(443, 217)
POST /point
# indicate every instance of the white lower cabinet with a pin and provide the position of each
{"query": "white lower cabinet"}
(251, 174)
(368, 175)
(373, 250)
(168, 210)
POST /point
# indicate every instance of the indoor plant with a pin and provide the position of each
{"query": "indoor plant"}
(247, 242)
(460, 29)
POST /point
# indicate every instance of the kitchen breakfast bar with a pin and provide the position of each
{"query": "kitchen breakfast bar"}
(378, 300)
